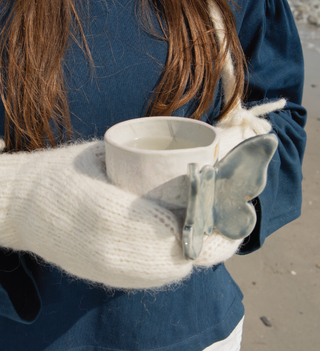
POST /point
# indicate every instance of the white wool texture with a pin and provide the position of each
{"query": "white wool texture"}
(59, 205)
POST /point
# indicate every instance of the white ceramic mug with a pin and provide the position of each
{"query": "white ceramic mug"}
(149, 156)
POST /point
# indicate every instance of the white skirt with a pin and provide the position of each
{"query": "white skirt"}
(231, 343)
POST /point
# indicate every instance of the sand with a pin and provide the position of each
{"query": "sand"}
(281, 281)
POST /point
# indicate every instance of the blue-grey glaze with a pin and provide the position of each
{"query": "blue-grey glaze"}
(220, 196)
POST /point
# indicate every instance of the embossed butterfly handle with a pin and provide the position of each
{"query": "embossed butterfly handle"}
(220, 195)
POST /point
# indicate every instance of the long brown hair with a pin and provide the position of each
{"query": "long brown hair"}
(36, 35)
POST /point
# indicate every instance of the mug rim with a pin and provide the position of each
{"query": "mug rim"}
(111, 142)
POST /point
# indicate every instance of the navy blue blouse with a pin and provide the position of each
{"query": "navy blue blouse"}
(41, 308)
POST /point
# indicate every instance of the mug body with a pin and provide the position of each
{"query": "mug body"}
(149, 156)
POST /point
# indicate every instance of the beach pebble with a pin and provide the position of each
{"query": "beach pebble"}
(312, 19)
(266, 321)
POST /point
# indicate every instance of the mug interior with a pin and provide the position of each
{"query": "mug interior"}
(161, 133)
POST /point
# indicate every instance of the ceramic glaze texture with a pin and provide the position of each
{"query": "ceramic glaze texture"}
(158, 170)
(219, 197)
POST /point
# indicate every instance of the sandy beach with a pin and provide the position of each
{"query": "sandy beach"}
(281, 281)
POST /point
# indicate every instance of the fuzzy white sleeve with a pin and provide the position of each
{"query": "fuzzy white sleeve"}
(59, 205)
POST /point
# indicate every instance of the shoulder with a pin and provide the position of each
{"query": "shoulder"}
(251, 12)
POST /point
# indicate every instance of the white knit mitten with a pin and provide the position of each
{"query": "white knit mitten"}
(59, 205)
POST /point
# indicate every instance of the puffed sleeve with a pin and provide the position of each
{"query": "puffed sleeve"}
(272, 47)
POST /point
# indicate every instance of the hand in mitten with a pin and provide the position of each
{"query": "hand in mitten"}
(59, 205)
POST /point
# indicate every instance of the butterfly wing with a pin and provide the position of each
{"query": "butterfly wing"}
(241, 176)
(219, 196)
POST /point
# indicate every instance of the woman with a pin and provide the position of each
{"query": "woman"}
(130, 59)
